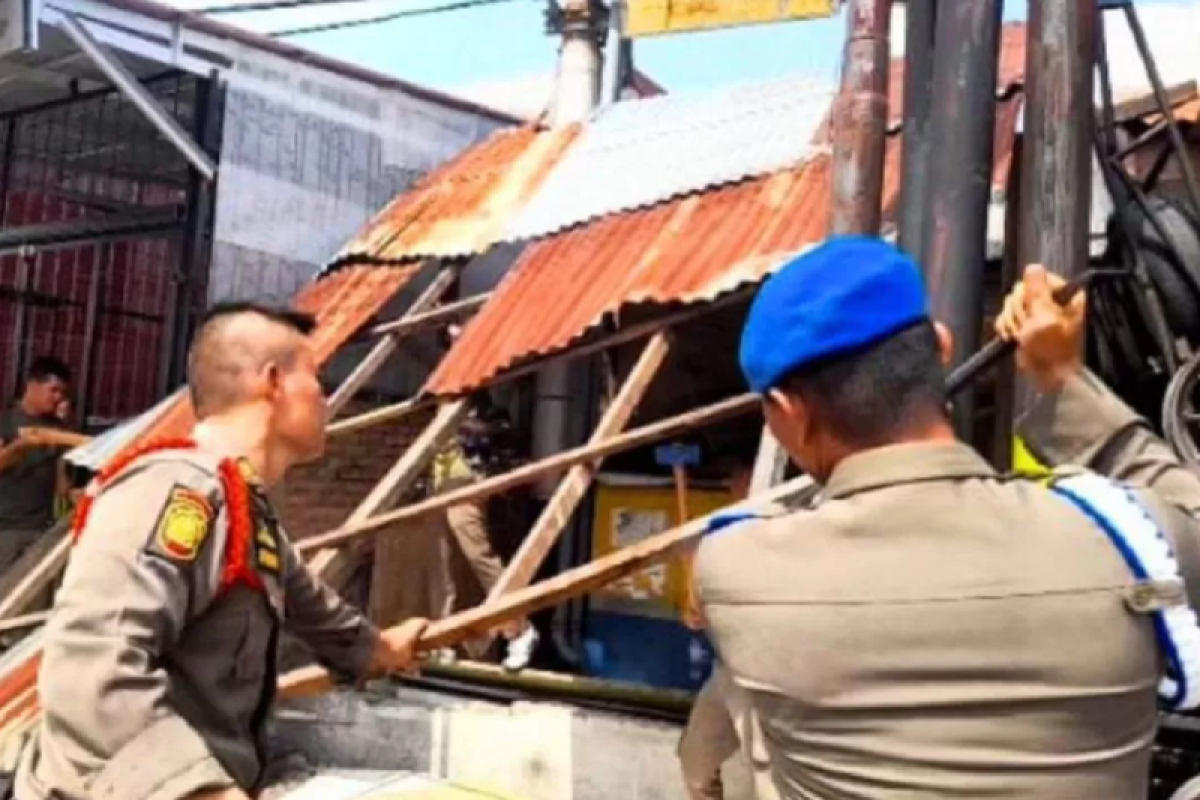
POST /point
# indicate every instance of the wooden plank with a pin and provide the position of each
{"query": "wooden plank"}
(411, 323)
(521, 603)
(334, 566)
(574, 486)
(770, 465)
(48, 556)
(24, 621)
(624, 336)
(385, 347)
(559, 462)
(54, 437)
(378, 416)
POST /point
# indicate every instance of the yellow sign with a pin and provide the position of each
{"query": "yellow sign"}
(658, 17)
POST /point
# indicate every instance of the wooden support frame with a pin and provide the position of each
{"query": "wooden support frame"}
(630, 334)
(334, 566)
(770, 465)
(38, 567)
(559, 462)
(448, 312)
(574, 583)
(574, 485)
(369, 367)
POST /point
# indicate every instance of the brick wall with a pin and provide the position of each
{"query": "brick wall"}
(319, 497)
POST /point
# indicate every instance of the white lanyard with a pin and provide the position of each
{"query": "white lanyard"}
(1148, 553)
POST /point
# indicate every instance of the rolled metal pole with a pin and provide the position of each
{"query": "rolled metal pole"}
(962, 133)
(1056, 166)
(919, 38)
(860, 120)
(1059, 122)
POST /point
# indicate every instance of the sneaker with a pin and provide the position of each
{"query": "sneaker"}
(521, 649)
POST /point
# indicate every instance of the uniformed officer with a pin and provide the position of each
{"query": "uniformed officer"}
(159, 664)
(931, 628)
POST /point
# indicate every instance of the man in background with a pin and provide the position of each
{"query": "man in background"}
(482, 448)
(29, 467)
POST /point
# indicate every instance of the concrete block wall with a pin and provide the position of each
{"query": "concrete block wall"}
(518, 751)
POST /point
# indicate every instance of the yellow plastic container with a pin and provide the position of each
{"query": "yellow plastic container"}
(629, 509)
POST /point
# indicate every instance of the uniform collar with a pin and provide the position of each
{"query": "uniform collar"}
(899, 464)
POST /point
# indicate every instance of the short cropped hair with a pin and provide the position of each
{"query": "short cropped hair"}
(218, 364)
(45, 368)
(869, 397)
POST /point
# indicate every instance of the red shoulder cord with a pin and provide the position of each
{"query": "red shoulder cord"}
(237, 567)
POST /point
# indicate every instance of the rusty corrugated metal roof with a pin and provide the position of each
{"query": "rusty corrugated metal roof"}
(687, 250)
(462, 208)
(691, 249)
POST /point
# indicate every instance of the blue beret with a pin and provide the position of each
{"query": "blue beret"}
(846, 294)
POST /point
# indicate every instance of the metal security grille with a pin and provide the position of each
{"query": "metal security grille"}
(101, 232)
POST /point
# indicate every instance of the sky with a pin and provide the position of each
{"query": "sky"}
(473, 50)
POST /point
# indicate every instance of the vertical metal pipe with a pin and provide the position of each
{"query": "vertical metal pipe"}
(860, 120)
(919, 37)
(1057, 163)
(962, 133)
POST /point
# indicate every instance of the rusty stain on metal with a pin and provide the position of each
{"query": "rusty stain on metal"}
(860, 121)
(463, 207)
(962, 120)
(1059, 117)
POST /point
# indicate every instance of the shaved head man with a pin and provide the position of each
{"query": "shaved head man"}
(254, 368)
(158, 672)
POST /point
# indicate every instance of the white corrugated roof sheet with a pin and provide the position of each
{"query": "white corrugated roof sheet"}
(638, 153)
(93, 455)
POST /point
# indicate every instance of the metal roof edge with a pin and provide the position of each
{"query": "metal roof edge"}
(213, 27)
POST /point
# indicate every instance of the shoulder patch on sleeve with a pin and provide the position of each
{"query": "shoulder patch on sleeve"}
(183, 525)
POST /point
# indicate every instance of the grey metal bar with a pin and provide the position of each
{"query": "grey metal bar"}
(959, 183)
(919, 39)
(129, 85)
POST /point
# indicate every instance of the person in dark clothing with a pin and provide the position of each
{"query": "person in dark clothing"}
(29, 467)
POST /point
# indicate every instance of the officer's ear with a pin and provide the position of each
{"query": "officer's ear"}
(945, 343)
(272, 379)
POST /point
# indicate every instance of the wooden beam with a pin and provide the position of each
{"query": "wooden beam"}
(27, 580)
(54, 437)
(559, 462)
(385, 347)
(1146, 104)
(24, 621)
(624, 336)
(380, 415)
(411, 323)
(770, 464)
(574, 486)
(333, 565)
(519, 604)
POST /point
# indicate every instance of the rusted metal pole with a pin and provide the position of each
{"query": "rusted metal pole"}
(859, 133)
(919, 36)
(1056, 158)
(860, 120)
(962, 131)
(1059, 121)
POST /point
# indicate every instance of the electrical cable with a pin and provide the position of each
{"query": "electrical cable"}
(354, 23)
(280, 5)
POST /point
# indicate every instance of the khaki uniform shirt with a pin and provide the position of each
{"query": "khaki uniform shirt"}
(154, 682)
(932, 629)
